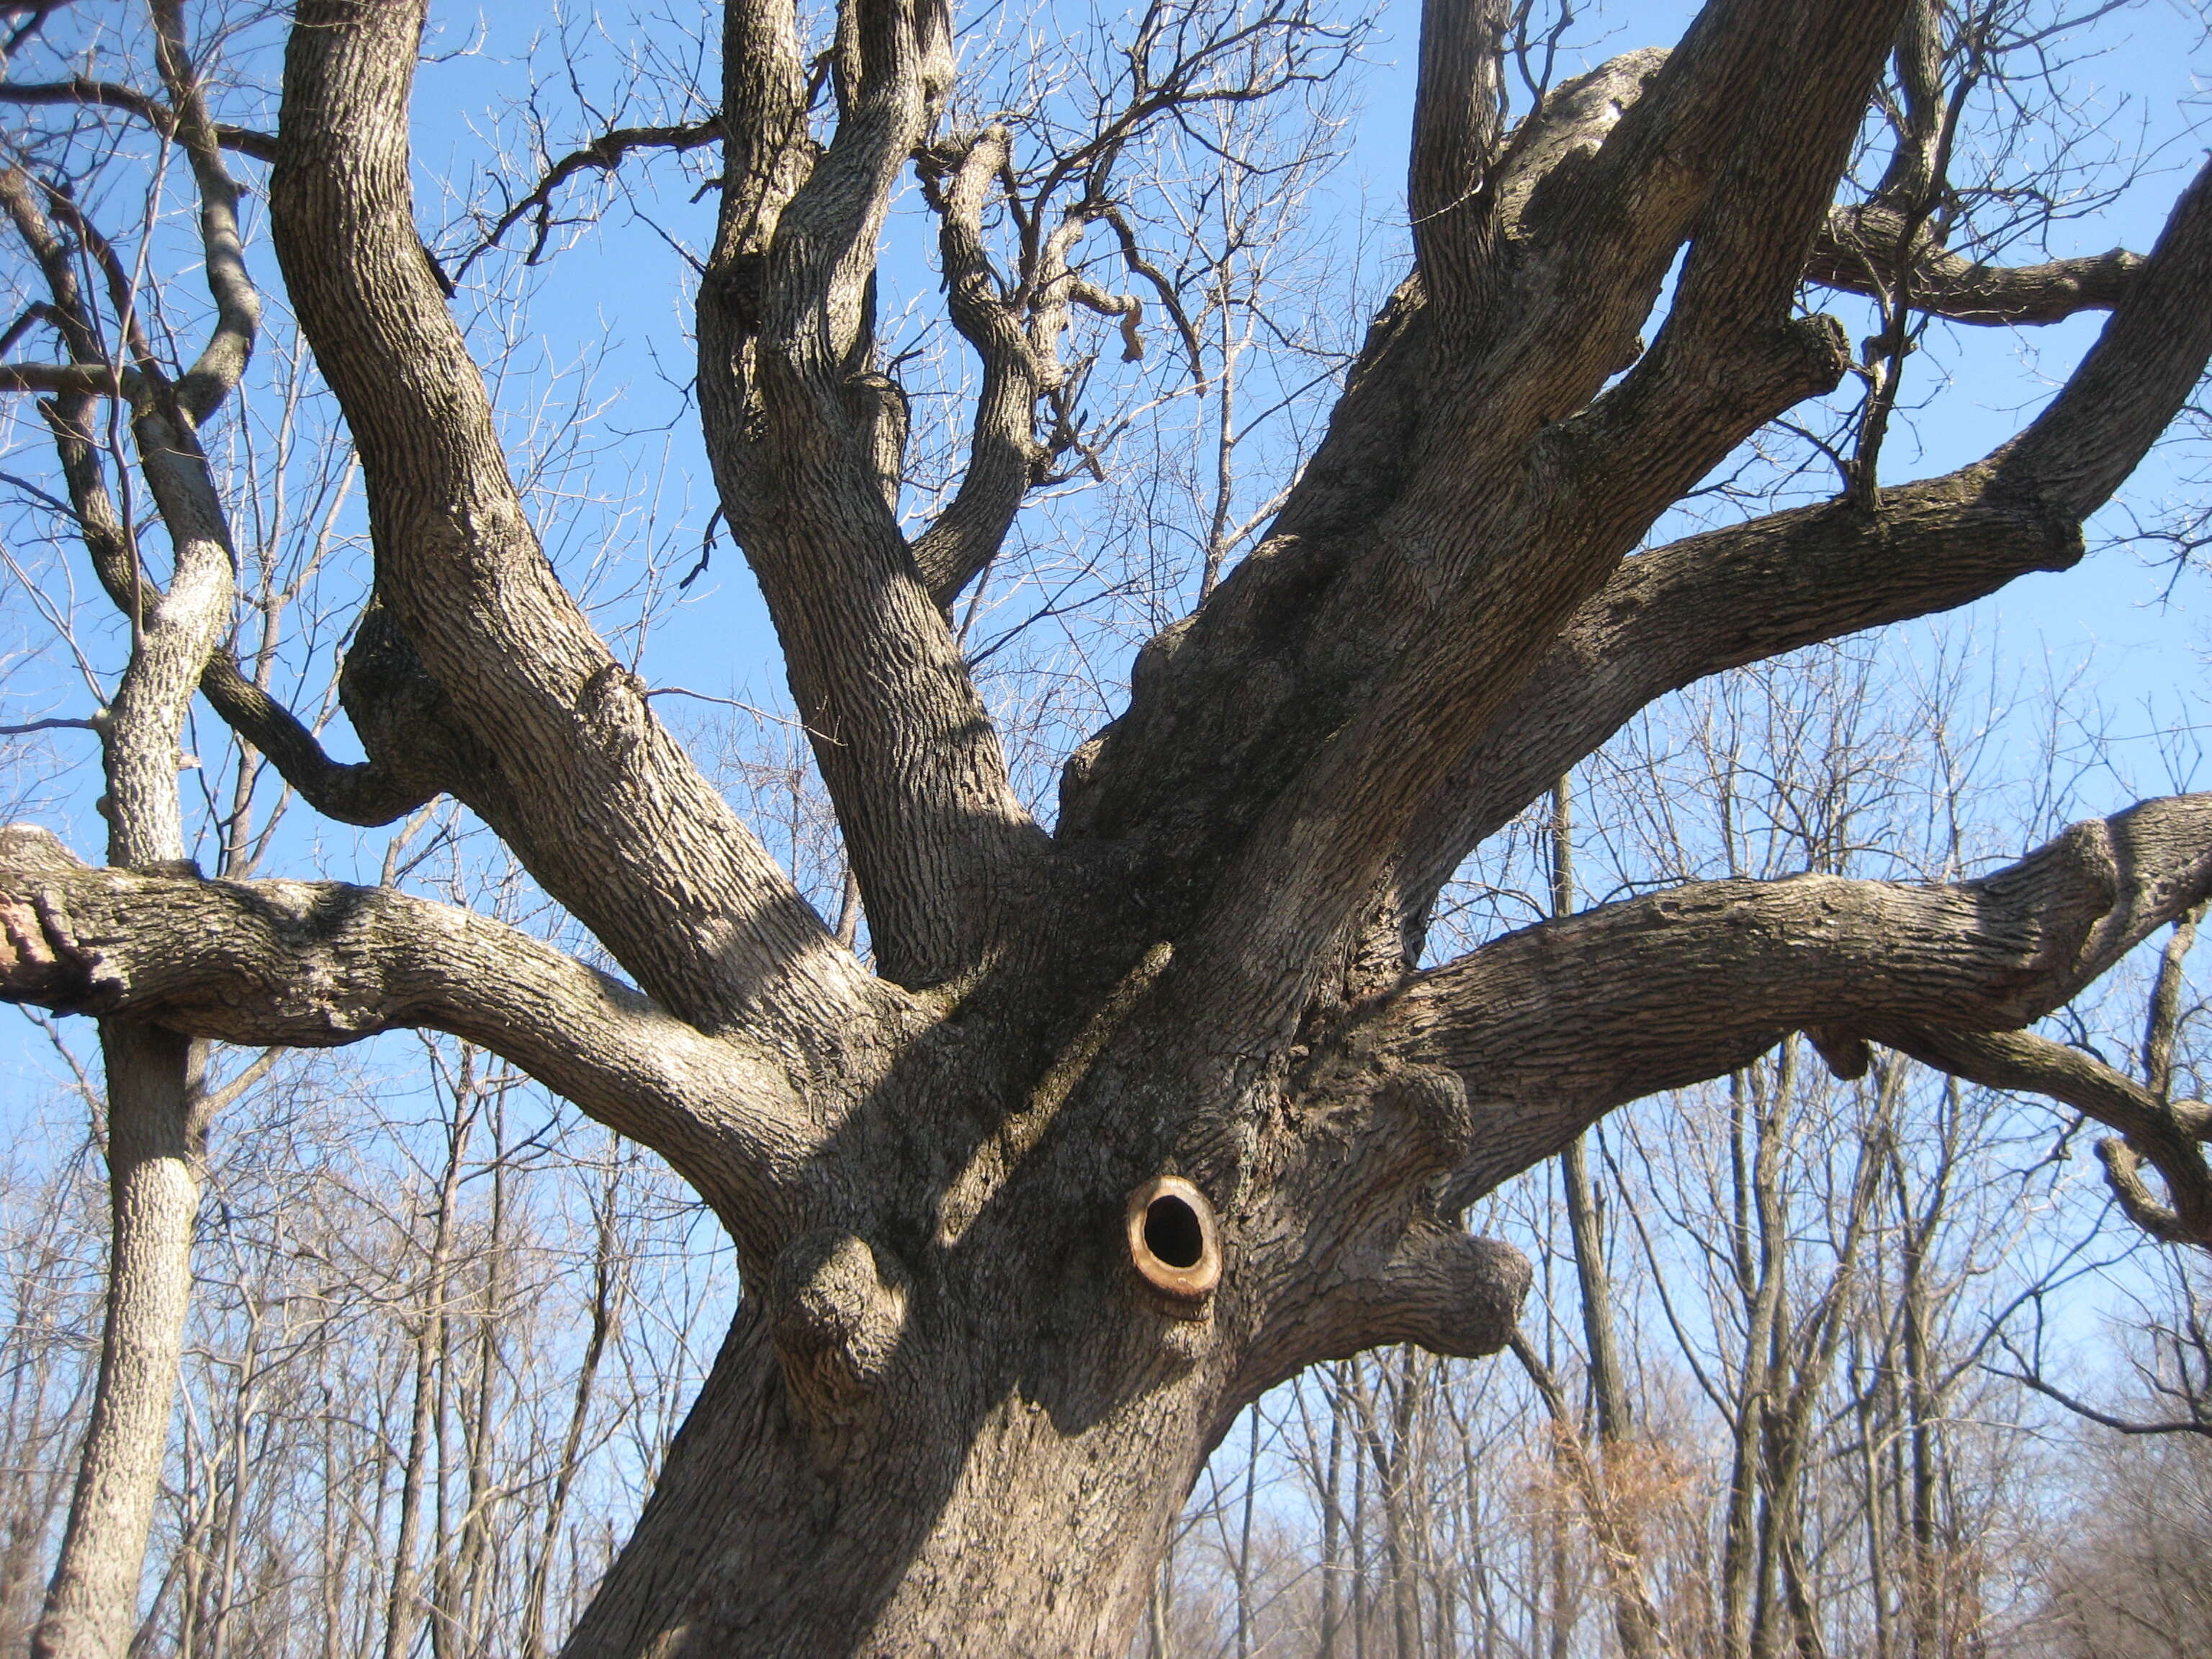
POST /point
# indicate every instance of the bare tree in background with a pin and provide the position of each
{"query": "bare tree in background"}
(1132, 1117)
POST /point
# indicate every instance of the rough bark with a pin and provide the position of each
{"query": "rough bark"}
(961, 1403)
(1514, 1020)
(569, 765)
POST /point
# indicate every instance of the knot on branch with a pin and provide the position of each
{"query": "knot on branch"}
(612, 706)
(739, 285)
(1444, 1290)
(1436, 1120)
(876, 406)
(1806, 357)
(1847, 1055)
(26, 849)
(400, 711)
(2062, 890)
(836, 1312)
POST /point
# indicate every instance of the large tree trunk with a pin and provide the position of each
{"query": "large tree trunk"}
(975, 1441)
(972, 1512)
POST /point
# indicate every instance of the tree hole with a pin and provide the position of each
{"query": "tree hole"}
(1173, 1231)
(1175, 1243)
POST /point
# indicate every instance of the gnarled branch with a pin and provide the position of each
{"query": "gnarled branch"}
(593, 793)
(1002, 451)
(1752, 590)
(365, 793)
(314, 964)
(1552, 1027)
(1438, 1287)
(1862, 250)
(2167, 1134)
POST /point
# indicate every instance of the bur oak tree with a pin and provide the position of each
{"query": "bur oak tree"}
(1136, 1113)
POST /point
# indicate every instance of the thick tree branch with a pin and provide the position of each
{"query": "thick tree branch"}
(314, 964)
(1922, 120)
(1224, 705)
(1614, 215)
(1552, 1027)
(1860, 251)
(1484, 570)
(1730, 355)
(1757, 590)
(1717, 601)
(1458, 116)
(937, 838)
(1491, 511)
(365, 793)
(2079, 450)
(822, 263)
(597, 800)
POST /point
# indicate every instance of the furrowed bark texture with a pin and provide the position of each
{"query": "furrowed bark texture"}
(977, 1364)
(550, 737)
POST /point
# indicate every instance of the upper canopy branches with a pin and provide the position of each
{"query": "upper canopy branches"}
(1442, 617)
(1287, 670)
(568, 763)
(1772, 585)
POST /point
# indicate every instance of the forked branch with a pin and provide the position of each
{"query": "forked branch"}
(2167, 1134)
(793, 409)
